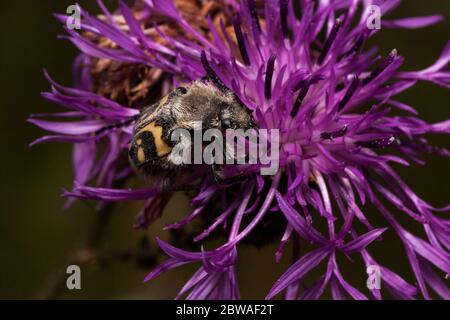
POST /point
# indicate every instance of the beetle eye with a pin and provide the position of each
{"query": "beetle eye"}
(182, 90)
(228, 124)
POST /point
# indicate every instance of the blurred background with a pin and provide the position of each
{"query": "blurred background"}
(36, 234)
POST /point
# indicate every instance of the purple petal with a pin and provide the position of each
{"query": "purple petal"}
(435, 256)
(413, 23)
(71, 128)
(435, 282)
(298, 270)
(163, 267)
(106, 194)
(298, 222)
(396, 285)
(363, 241)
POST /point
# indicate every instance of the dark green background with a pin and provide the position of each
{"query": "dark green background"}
(35, 233)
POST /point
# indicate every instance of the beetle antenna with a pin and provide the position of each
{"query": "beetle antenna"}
(117, 125)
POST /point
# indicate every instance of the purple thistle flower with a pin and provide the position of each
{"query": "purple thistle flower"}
(331, 99)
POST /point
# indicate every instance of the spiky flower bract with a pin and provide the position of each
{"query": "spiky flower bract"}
(305, 71)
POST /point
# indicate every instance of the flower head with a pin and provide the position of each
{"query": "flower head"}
(305, 71)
